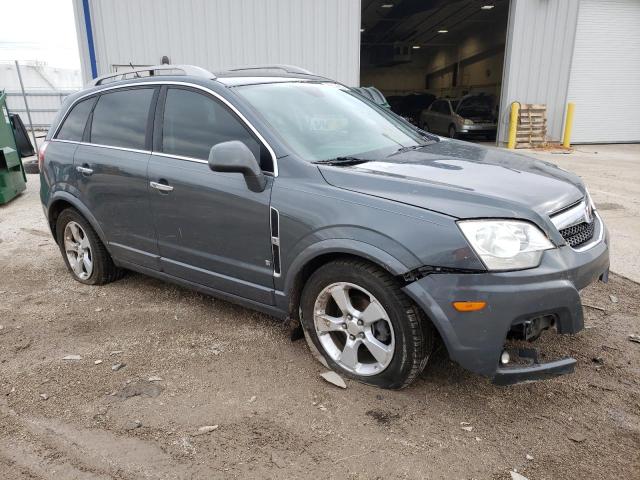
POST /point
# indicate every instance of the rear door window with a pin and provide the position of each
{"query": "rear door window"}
(120, 118)
(194, 122)
(73, 127)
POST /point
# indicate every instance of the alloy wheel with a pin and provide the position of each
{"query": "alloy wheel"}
(78, 250)
(354, 329)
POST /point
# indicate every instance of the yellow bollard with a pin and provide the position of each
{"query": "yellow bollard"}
(513, 124)
(568, 125)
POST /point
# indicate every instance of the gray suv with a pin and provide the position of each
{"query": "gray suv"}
(289, 193)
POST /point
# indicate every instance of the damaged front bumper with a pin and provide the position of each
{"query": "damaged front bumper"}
(514, 300)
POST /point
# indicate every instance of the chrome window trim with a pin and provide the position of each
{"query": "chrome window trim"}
(170, 82)
(180, 157)
(126, 149)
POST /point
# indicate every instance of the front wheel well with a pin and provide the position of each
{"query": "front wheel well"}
(311, 266)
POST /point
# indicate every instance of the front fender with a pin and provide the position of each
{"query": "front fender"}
(343, 246)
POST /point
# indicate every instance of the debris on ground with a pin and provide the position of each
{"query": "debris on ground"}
(613, 299)
(516, 476)
(72, 357)
(116, 352)
(577, 437)
(334, 378)
(97, 362)
(99, 309)
(467, 429)
(44, 396)
(155, 379)
(277, 460)
(528, 457)
(132, 425)
(322, 407)
(206, 429)
(594, 307)
(141, 388)
(118, 366)
(634, 338)
(252, 399)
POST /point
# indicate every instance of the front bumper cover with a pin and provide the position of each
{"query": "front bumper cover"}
(476, 339)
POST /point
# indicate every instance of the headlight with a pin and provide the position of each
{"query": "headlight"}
(506, 244)
(466, 121)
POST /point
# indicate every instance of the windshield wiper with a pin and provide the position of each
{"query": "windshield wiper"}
(413, 147)
(342, 161)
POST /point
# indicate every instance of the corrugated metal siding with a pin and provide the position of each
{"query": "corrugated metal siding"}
(320, 35)
(540, 42)
(605, 72)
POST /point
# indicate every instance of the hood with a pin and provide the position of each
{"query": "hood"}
(463, 180)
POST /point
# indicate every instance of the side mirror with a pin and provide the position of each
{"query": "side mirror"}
(234, 156)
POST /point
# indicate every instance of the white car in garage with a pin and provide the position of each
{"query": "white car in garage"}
(472, 115)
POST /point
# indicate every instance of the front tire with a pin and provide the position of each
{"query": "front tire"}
(364, 326)
(83, 252)
(452, 131)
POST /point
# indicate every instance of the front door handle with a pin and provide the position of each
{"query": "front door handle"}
(161, 186)
(84, 170)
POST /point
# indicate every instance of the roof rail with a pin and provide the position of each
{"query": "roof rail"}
(275, 66)
(152, 71)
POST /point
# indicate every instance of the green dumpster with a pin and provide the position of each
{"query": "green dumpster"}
(12, 176)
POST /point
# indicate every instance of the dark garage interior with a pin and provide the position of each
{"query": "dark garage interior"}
(416, 51)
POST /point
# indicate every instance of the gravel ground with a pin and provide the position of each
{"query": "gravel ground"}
(219, 364)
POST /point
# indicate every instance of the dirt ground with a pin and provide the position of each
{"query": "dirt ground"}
(224, 365)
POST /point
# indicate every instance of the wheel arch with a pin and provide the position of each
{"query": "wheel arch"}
(327, 251)
(63, 200)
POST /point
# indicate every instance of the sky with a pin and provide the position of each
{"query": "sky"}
(42, 30)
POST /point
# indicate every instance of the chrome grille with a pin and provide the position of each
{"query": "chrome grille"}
(576, 224)
(579, 234)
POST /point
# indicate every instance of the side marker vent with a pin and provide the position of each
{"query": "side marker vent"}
(275, 241)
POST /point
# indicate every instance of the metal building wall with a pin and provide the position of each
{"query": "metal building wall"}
(540, 39)
(320, 35)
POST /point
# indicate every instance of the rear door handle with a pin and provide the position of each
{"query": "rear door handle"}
(161, 186)
(84, 170)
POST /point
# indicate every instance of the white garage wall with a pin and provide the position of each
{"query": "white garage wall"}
(320, 35)
(538, 55)
(605, 72)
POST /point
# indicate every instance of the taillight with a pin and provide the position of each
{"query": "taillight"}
(41, 151)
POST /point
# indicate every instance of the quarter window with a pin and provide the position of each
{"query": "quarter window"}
(73, 126)
(120, 118)
(194, 122)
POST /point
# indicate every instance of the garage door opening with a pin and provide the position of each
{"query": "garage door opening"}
(438, 63)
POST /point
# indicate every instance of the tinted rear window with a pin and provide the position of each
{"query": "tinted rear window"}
(120, 118)
(73, 126)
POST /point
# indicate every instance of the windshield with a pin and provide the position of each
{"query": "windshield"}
(476, 106)
(323, 121)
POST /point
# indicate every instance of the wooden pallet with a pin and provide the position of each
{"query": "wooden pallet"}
(531, 131)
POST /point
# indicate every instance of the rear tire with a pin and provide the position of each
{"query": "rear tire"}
(83, 252)
(373, 333)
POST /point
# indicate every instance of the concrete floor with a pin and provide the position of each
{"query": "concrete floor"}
(612, 174)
